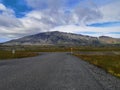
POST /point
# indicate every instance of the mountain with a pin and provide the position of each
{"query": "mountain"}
(61, 38)
(109, 40)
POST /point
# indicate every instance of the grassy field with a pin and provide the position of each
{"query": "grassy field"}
(37, 48)
(110, 63)
(18, 54)
(68, 48)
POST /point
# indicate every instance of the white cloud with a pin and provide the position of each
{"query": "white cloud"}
(54, 15)
(6, 11)
(2, 7)
(80, 29)
(9, 24)
(7, 18)
(110, 12)
(43, 4)
(60, 13)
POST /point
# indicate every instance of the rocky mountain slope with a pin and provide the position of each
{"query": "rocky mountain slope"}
(61, 38)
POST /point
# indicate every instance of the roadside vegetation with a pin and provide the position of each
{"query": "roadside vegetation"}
(60, 48)
(110, 63)
(18, 54)
(68, 48)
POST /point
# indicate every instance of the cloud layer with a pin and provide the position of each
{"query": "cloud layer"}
(61, 15)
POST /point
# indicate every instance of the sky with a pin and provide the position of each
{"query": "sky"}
(19, 18)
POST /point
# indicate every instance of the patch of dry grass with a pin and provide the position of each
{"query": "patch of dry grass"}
(18, 54)
(111, 63)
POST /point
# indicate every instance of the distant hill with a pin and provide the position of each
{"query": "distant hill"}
(109, 40)
(62, 38)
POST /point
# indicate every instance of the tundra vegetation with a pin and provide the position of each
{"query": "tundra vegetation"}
(107, 58)
(4, 55)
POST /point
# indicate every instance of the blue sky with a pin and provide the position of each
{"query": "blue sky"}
(19, 6)
(19, 18)
(106, 24)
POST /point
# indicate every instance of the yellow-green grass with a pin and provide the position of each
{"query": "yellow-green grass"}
(94, 49)
(39, 48)
(111, 63)
(68, 48)
(18, 54)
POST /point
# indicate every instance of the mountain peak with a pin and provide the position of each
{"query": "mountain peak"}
(105, 37)
(57, 38)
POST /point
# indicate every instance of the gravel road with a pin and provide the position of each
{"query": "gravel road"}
(54, 71)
